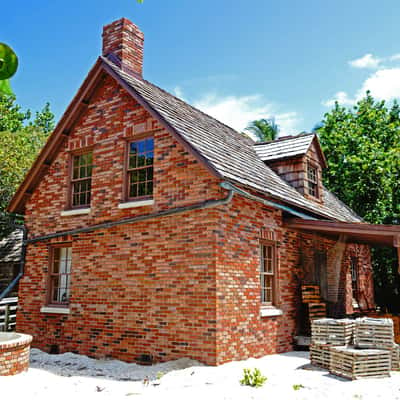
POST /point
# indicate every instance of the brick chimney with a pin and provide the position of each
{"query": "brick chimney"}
(125, 40)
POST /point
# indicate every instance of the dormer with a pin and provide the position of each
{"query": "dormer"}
(298, 160)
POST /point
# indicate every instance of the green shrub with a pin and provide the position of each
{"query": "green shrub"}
(298, 386)
(253, 377)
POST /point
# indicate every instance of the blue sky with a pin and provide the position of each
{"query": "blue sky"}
(237, 60)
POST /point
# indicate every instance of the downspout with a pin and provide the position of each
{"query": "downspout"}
(21, 263)
(230, 186)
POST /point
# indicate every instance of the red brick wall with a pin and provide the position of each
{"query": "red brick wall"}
(145, 288)
(112, 117)
(241, 331)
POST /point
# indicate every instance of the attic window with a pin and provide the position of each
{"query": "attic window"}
(312, 180)
(140, 169)
(81, 180)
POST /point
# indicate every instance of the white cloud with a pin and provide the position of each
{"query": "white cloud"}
(341, 97)
(383, 84)
(366, 61)
(238, 111)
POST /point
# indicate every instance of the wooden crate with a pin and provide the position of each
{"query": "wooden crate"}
(310, 294)
(395, 357)
(396, 323)
(316, 311)
(320, 355)
(373, 333)
(338, 332)
(352, 363)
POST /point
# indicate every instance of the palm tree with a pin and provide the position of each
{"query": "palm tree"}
(263, 129)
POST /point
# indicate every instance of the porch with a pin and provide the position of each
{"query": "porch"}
(335, 260)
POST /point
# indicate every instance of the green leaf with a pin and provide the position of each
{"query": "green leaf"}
(5, 87)
(8, 61)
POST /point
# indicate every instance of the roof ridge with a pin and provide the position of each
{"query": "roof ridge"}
(284, 138)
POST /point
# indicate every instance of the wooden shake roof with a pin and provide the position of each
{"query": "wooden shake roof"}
(225, 152)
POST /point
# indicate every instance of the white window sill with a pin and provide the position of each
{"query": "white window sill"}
(78, 211)
(54, 310)
(138, 203)
(270, 312)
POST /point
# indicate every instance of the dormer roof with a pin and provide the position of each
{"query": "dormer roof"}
(289, 147)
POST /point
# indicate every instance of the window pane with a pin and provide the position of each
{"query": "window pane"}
(142, 175)
(132, 161)
(149, 145)
(149, 158)
(140, 146)
(142, 189)
(133, 191)
(141, 160)
(149, 174)
(149, 188)
(133, 148)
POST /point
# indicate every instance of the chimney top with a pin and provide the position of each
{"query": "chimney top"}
(125, 40)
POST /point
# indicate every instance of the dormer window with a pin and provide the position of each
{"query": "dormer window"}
(312, 180)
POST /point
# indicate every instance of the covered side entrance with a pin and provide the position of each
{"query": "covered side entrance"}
(335, 274)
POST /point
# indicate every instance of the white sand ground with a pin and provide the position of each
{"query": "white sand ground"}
(74, 377)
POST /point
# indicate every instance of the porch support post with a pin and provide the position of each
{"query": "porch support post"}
(396, 243)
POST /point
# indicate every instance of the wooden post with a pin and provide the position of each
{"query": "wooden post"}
(6, 317)
(396, 243)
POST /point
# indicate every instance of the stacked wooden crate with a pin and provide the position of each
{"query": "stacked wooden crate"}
(337, 332)
(373, 333)
(326, 333)
(374, 353)
(352, 363)
(377, 333)
(311, 297)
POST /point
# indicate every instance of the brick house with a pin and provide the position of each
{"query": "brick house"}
(157, 232)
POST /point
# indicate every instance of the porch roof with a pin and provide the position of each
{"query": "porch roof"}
(384, 235)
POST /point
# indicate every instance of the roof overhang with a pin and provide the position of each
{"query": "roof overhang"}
(358, 232)
(373, 234)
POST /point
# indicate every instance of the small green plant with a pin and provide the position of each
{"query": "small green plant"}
(253, 378)
(160, 374)
(298, 386)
